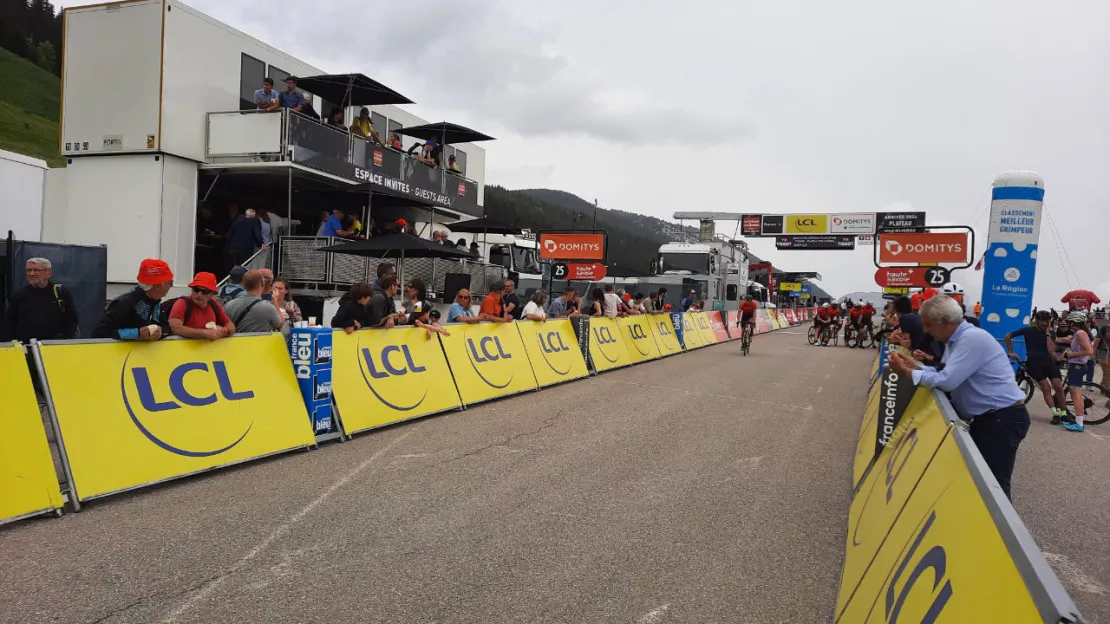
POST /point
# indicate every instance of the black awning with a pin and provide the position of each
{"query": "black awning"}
(445, 133)
(398, 245)
(351, 90)
(484, 225)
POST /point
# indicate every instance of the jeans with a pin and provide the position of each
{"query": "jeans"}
(998, 435)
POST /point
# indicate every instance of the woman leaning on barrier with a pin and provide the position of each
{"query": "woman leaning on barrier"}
(535, 309)
(288, 309)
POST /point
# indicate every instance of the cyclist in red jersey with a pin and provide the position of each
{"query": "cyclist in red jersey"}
(747, 313)
(822, 319)
(866, 312)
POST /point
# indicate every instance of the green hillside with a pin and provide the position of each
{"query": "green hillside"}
(29, 109)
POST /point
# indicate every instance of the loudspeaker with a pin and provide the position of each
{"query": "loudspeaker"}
(452, 284)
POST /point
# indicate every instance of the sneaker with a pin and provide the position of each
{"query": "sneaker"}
(1073, 427)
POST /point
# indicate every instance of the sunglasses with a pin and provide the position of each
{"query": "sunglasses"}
(464, 296)
(203, 291)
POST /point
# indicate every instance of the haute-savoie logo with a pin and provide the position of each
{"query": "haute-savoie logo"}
(551, 344)
(190, 386)
(482, 352)
(604, 336)
(392, 362)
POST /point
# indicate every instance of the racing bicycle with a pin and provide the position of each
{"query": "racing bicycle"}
(850, 335)
(1096, 399)
(746, 339)
(865, 336)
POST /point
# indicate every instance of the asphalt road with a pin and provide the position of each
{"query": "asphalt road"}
(702, 488)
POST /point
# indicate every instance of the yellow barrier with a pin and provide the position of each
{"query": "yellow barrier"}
(865, 445)
(943, 559)
(382, 376)
(704, 327)
(28, 484)
(691, 337)
(607, 349)
(640, 344)
(552, 351)
(487, 360)
(132, 414)
(663, 330)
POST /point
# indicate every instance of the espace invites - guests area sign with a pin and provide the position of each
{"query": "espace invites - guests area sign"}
(564, 245)
(138, 413)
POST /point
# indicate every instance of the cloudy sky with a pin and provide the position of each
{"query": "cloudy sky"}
(766, 107)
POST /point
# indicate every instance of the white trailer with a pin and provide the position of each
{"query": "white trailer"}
(22, 195)
(155, 115)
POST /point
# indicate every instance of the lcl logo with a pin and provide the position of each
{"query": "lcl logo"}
(638, 334)
(805, 222)
(603, 336)
(392, 362)
(148, 392)
(485, 350)
(551, 343)
(664, 329)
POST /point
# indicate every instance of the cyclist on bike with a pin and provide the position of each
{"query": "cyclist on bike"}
(1078, 353)
(747, 314)
(854, 316)
(866, 312)
(822, 320)
(1040, 362)
(837, 312)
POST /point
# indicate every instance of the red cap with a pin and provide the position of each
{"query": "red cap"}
(204, 280)
(401, 222)
(627, 297)
(153, 272)
(667, 306)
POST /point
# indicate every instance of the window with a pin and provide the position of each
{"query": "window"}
(394, 126)
(380, 123)
(460, 160)
(251, 73)
(279, 76)
(730, 292)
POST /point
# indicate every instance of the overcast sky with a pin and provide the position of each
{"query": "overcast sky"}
(764, 107)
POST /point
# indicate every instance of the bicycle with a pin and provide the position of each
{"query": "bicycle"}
(746, 339)
(826, 335)
(811, 335)
(850, 335)
(835, 338)
(865, 336)
(1096, 399)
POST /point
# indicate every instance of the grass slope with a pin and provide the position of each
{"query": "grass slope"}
(29, 109)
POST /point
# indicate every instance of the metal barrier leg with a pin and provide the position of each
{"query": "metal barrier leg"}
(71, 487)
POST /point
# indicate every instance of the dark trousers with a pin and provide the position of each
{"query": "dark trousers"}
(997, 435)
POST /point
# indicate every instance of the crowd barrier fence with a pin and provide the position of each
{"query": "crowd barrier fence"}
(931, 536)
(133, 414)
(28, 484)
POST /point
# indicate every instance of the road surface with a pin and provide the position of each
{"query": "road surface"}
(706, 487)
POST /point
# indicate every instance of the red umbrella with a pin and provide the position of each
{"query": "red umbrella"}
(1080, 299)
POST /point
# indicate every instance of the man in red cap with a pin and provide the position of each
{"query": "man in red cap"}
(135, 315)
(198, 315)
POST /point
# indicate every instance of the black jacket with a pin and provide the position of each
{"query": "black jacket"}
(244, 233)
(43, 313)
(349, 313)
(127, 313)
(380, 306)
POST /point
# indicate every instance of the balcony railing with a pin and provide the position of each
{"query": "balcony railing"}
(288, 136)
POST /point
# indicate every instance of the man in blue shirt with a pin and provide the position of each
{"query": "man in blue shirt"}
(266, 98)
(291, 98)
(977, 375)
(334, 225)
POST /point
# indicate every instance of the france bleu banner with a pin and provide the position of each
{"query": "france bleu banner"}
(1010, 262)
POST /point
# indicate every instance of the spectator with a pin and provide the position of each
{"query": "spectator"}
(42, 309)
(911, 332)
(395, 141)
(264, 225)
(492, 308)
(596, 305)
(639, 305)
(534, 309)
(688, 301)
(611, 303)
(661, 300)
(474, 249)
(511, 301)
(978, 309)
(353, 314)
(559, 305)
(334, 226)
(233, 289)
(460, 311)
(136, 315)
(243, 237)
(1102, 350)
(978, 377)
(249, 313)
(697, 306)
(353, 225)
(452, 165)
(421, 316)
(414, 294)
(288, 309)
(198, 315)
(291, 98)
(336, 118)
(461, 243)
(372, 229)
(649, 306)
(429, 155)
(364, 127)
(280, 225)
(307, 110)
(267, 284)
(324, 216)
(266, 99)
(382, 310)
(384, 269)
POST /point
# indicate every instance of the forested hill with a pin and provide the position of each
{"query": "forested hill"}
(634, 239)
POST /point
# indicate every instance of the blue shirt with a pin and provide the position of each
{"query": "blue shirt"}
(977, 373)
(261, 98)
(457, 310)
(557, 307)
(332, 225)
(290, 100)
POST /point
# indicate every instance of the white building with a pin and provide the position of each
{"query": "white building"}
(161, 135)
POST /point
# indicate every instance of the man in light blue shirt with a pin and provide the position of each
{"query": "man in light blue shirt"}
(290, 97)
(976, 373)
(266, 98)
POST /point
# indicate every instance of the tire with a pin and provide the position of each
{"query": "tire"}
(811, 336)
(864, 340)
(1096, 404)
(1028, 387)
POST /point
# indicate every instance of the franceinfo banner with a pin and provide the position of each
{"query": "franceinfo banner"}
(1010, 262)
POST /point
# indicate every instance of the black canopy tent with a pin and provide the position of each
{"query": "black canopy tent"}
(351, 90)
(398, 246)
(445, 132)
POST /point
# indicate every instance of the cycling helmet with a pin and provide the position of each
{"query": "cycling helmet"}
(748, 297)
(1077, 317)
(824, 305)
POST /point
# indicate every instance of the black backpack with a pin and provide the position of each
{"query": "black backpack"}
(167, 306)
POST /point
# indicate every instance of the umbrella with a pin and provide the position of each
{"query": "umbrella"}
(351, 90)
(1080, 299)
(484, 225)
(445, 133)
(398, 245)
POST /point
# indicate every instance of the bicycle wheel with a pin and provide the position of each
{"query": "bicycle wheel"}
(1028, 386)
(1096, 404)
(811, 335)
(824, 338)
(850, 338)
(864, 339)
(746, 343)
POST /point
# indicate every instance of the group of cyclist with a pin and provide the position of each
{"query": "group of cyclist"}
(830, 318)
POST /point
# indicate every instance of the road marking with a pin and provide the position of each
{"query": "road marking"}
(750, 462)
(1072, 575)
(655, 615)
(412, 455)
(719, 396)
(211, 586)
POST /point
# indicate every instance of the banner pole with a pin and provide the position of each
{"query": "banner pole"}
(40, 369)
